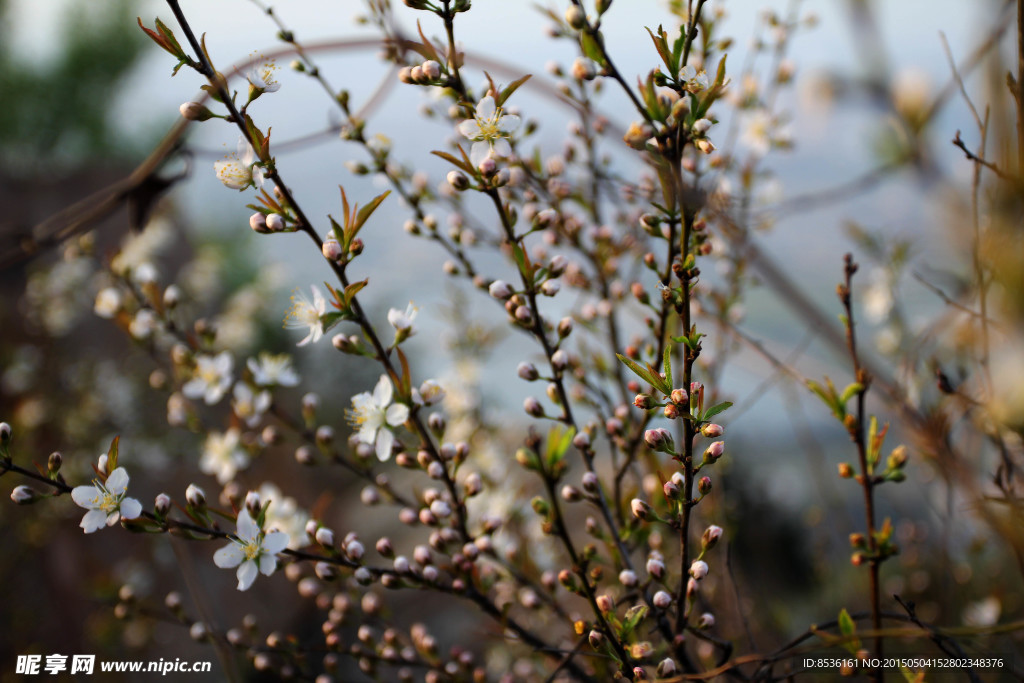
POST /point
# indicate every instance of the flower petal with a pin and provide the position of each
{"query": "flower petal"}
(469, 128)
(246, 574)
(93, 520)
(268, 563)
(502, 148)
(385, 440)
(229, 556)
(397, 414)
(117, 482)
(478, 152)
(508, 123)
(383, 391)
(275, 541)
(485, 108)
(130, 508)
(247, 528)
(85, 495)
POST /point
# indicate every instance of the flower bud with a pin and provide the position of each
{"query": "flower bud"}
(712, 430)
(24, 495)
(662, 600)
(488, 167)
(326, 571)
(332, 249)
(550, 287)
(457, 180)
(162, 505)
(560, 360)
(660, 440)
(533, 407)
(711, 536)
(699, 569)
(845, 470)
(643, 401)
(565, 327)
(431, 70)
(596, 638)
(193, 111)
(656, 567)
(500, 289)
(704, 485)
(714, 451)
(641, 510)
(627, 578)
(54, 462)
(575, 17)
(638, 134)
(354, 549)
(275, 222)
(604, 603)
(705, 621)
(667, 666)
(671, 490)
(324, 537)
(384, 547)
(5, 433)
(571, 494)
(252, 503)
(195, 496)
(679, 396)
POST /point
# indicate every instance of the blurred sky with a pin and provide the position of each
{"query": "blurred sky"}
(831, 146)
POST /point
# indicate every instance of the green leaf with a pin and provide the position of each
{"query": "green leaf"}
(452, 160)
(643, 373)
(850, 391)
(634, 616)
(591, 46)
(352, 290)
(849, 629)
(661, 45)
(716, 409)
(112, 454)
(558, 443)
(332, 318)
(511, 88)
(367, 210)
(667, 363)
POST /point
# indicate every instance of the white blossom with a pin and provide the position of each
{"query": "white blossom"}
(248, 405)
(223, 455)
(305, 314)
(238, 170)
(106, 502)
(211, 379)
(261, 77)
(489, 129)
(251, 550)
(374, 414)
(273, 370)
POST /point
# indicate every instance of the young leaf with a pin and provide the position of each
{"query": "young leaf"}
(452, 160)
(367, 210)
(112, 454)
(716, 409)
(591, 47)
(637, 369)
(511, 88)
(667, 362)
(849, 629)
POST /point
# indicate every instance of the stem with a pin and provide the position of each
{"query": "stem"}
(867, 479)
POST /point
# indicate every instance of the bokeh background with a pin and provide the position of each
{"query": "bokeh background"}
(871, 169)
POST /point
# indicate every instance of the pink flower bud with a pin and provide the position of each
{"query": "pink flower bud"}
(710, 537)
(533, 407)
(560, 359)
(604, 603)
(431, 70)
(662, 600)
(712, 431)
(704, 485)
(457, 180)
(706, 621)
(641, 510)
(500, 289)
(195, 496)
(699, 569)
(332, 249)
(627, 578)
(325, 537)
(275, 222)
(714, 451)
(655, 567)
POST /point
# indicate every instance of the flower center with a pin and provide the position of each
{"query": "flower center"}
(489, 129)
(106, 501)
(251, 550)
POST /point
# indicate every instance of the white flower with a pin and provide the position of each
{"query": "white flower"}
(284, 514)
(238, 170)
(223, 456)
(251, 551)
(877, 297)
(108, 302)
(249, 406)
(375, 415)
(261, 77)
(271, 370)
(143, 324)
(693, 80)
(304, 314)
(106, 502)
(489, 130)
(211, 379)
(402, 321)
(431, 392)
(757, 135)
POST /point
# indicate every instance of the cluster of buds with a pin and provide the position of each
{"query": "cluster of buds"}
(268, 223)
(427, 73)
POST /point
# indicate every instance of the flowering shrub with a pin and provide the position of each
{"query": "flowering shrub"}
(613, 530)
